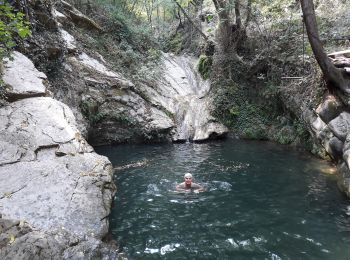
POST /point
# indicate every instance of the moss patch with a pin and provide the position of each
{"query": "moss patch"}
(204, 66)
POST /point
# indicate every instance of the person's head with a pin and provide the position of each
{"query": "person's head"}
(188, 178)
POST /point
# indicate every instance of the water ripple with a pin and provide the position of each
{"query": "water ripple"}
(261, 202)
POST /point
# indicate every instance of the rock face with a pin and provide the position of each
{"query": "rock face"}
(55, 191)
(108, 107)
(331, 124)
(186, 95)
(22, 79)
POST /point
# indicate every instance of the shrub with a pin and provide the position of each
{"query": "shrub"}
(12, 24)
(204, 66)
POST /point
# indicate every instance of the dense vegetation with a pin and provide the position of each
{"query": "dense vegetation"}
(12, 25)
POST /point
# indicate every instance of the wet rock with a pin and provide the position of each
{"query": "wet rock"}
(185, 94)
(22, 79)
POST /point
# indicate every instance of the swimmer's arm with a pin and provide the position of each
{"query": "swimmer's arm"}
(180, 187)
(197, 187)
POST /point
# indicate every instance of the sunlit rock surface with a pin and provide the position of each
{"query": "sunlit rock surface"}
(21, 78)
(69, 40)
(55, 191)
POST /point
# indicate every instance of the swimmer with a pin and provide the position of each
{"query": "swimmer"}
(188, 185)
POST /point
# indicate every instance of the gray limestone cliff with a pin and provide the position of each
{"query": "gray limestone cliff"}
(55, 191)
(109, 107)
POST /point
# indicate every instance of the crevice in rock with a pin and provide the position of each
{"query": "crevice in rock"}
(43, 147)
(9, 194)
(13, 162)
(73, 193)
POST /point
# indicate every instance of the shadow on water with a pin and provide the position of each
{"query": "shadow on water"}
(262, 201)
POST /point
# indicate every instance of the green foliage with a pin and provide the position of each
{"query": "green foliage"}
(262, 119)
(12, 24)
(128, 26)
(90, 111)
(122, 119)
(204, 66)
(175, 43)
(233, 108)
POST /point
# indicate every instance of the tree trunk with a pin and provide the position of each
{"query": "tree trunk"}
(190, 20)
(333, 76)
(238, 14)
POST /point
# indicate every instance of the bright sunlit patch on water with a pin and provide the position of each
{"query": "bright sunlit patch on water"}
(324, 168)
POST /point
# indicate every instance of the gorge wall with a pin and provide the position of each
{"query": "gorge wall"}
(110, 108)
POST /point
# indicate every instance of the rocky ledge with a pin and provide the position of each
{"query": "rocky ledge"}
(55, 191)
(330, 123)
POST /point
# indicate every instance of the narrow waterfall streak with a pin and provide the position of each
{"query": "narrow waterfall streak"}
(190, 103)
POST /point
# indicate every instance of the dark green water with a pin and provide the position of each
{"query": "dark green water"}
(263, 201)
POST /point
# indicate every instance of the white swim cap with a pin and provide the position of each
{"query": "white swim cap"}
(188, 175)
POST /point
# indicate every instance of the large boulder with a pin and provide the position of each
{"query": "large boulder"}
(50, 167)
(55, 191)
(330, 108)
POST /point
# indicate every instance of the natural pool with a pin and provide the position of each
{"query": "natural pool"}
(263, 201)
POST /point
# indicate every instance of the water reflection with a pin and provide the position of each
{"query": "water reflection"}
(261, 202)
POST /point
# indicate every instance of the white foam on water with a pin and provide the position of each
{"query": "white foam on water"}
(232, 242)
(163, 250)
(168, 248)
(245, 243)
(274, 257)
(151, 250)
(259, 240)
